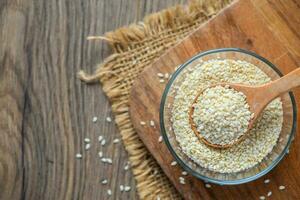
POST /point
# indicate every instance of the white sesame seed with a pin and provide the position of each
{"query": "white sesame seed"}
(167, 75)
(160, 139)
(103, 160)
(109, 192)
(100, 154)
(160, 75)
(267, 181)
(161, 80)
(152, 123)
(207, 185)
(282, 187)
(121, 188)
(127, 188)
(262, 197)
(134, 62)
(116, 141)
(108, 119)
(173, 163)
(100, 138)
(87, 140)
(87, 146)
(109, 160)
(142, 123)
(280, 140)
(95, 119)
(269, 194)
(184, 173)
(78, 155)
(157, 198)
(126, 167)
(103, 142)
(104, 181)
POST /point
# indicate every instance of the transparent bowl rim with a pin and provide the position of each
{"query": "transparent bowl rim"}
(181, 162)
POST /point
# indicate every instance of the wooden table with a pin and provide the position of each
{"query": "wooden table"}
(46, 112)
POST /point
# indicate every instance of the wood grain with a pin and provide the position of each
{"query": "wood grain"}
(246, 24)
(45, 111)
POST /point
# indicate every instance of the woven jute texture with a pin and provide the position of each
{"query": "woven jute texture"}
(134, 48)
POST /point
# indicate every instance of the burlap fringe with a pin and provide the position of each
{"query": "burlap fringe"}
(124, 40)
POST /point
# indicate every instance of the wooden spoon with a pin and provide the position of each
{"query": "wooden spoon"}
(258, 97)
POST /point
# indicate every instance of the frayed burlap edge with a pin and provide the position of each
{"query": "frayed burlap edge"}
(118, 71)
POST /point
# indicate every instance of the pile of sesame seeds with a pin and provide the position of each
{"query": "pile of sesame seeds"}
(221, 115)
(261, 139)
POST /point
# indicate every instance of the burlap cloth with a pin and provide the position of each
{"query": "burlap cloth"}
(134, 48)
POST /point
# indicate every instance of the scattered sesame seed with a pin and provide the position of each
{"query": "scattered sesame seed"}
(100, 138)
(173, 163)
(95, 119)
(280, 140)
(126, 167)
(87, 146)
(104, 181)
(160, 75)
(207, 185)
(127, 188)
(121, 188)
(103, 142)
(182, 182)
(157, 198)
(288, 151)
(152, 123)
(269, 193)
(108, 119)
(282, 187)
(87, 140)
(142, 123)
(167, 75)
(267, 181)
(262, 197)
(116, 141)
(184, 173)
(160, 139)
(161, 80)
(100, 154)
(109, 192)
(109, 160)
(78, 155)
(103, 160)
(134, 62)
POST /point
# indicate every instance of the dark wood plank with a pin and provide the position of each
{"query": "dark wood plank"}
(242, 25)
(45, 111)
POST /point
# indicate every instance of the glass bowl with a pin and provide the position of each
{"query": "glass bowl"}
(269, 162)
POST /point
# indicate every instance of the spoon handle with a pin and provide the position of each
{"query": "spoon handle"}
(283, 84)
